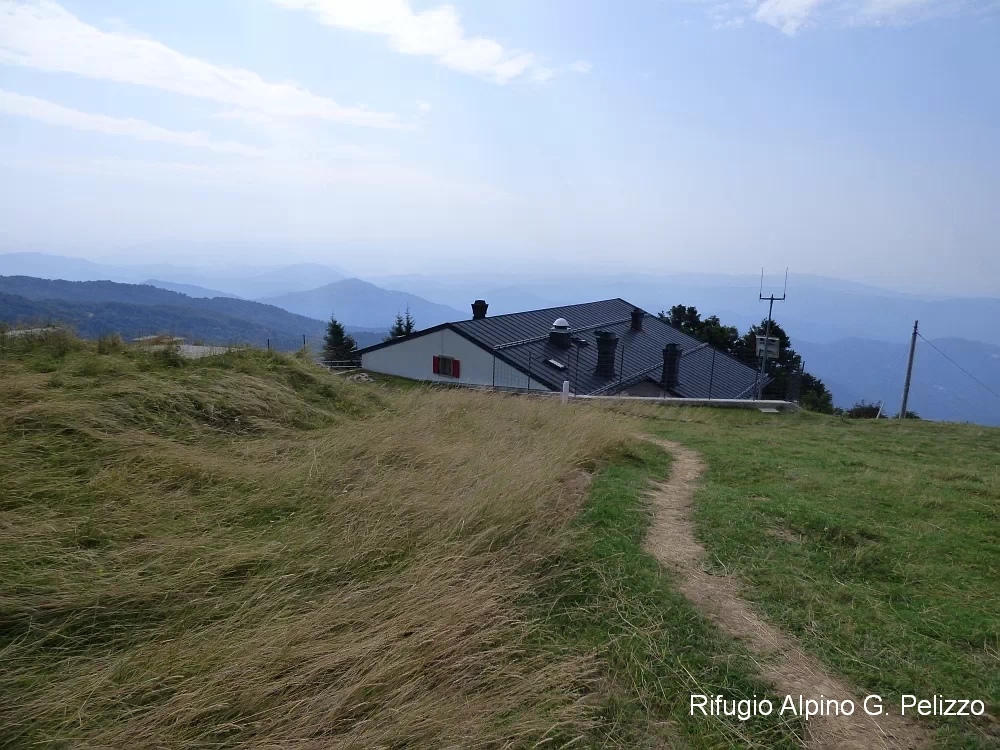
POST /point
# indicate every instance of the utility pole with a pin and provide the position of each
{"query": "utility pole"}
(767, 334)
(909, 371)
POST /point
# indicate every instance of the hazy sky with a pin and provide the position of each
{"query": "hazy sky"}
(853, 138)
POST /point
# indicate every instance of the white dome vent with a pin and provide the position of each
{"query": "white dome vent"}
(559, 335)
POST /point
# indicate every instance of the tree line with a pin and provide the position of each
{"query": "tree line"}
(340, 346)
(813, 394)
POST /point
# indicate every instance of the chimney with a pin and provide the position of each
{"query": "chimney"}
(607, 343)
(637, 316)
(559, 334)
(479, 309)
(671, 366)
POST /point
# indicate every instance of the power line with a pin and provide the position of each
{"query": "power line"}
(959, 366)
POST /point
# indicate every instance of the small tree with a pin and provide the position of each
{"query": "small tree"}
(338, 346)
(402, 326)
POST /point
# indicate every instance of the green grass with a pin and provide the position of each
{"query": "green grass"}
(245, 551)
(613, 599)
(875, 543)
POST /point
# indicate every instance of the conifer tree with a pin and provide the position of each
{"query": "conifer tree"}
(338, 346)
(402, 326)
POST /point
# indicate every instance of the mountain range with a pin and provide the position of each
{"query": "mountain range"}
(249, 282)
(363, 304)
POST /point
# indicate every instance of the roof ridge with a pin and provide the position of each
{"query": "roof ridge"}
(544, 309)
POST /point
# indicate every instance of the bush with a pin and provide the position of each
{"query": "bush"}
(864, 410)
(110, 343)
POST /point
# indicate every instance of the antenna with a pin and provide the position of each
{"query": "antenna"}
(767, 335)
(772, 298)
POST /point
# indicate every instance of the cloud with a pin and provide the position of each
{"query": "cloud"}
(436, 32)
(40, 34)
(792, 16)
(57, 115)
(787, 15)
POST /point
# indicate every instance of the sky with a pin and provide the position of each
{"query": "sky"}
(851, 138)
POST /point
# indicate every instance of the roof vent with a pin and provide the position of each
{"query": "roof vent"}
(479, 309)
(559, 335)
(637, 316)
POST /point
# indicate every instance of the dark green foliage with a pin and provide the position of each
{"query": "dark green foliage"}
(709, 330)
(863, 410)
(814, 395)
(811, 391)
(402, 326)
(338, 346)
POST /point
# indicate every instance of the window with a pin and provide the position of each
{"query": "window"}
(447, 366)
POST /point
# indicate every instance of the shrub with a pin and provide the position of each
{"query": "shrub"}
(109, 343)
(864, 410)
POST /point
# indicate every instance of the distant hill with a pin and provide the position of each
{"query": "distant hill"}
(51, 266)
(358, 303)
(96, 307)
(856, 369)
(93, 319)
(191, 290)
(241, 281)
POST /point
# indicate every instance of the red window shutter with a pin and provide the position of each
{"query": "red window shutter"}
(455, 370)
(437, 365)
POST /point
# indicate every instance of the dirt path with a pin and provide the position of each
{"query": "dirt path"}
(792, 672)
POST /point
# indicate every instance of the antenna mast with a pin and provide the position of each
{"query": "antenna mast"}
(767, 335)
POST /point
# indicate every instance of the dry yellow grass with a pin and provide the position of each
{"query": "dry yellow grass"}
(248, 552)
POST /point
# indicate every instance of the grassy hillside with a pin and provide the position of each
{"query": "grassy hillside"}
(246, 551)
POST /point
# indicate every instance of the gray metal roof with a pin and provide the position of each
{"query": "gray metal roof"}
(522, 339)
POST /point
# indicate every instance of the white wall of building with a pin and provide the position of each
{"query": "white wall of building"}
(414, 359)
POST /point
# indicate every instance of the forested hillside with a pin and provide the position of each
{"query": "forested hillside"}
(93, 319)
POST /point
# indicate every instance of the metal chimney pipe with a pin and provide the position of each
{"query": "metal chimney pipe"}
(479, 308)
(607, 343)
(671, 366)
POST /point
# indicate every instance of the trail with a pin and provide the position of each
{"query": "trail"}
(783, 662)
